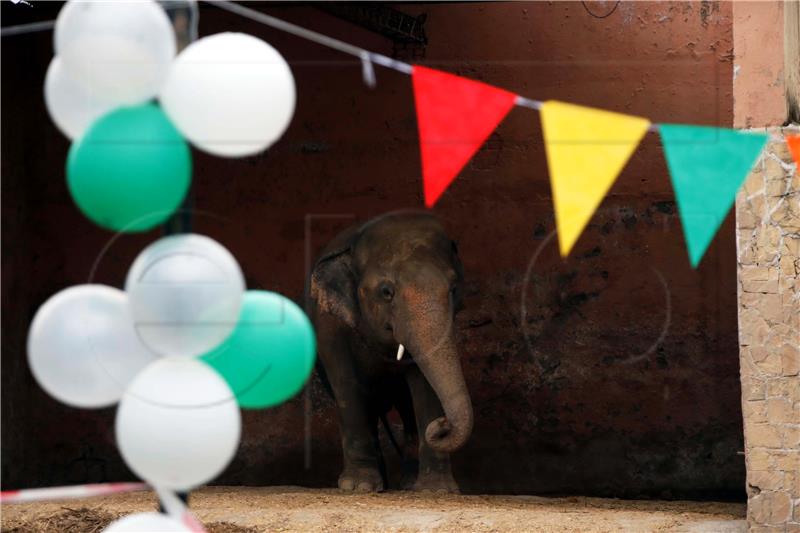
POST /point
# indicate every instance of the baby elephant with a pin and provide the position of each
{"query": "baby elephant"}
(382, 298)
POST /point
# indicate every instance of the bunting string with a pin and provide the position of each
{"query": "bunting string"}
(586, 148)
(310, 35)
(22, 29)
(366, 56)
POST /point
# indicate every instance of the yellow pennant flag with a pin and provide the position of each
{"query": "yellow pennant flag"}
(586, 150)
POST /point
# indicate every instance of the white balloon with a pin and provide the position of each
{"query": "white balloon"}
(185, 294)
(178, 424)
(230, 94)
(72, 106)
(82, 347)
(119, 50)
(146, 523)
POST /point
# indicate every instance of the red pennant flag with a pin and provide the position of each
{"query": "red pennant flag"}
(794, 148)
(455, 117)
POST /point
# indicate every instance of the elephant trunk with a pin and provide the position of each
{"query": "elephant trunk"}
(429, 338)
(443, 372)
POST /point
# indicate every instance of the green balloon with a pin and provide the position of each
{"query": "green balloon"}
(130, 171)
(270, 354)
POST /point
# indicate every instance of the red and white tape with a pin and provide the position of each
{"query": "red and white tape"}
(71, 492)
(172, 504)
(177, 510)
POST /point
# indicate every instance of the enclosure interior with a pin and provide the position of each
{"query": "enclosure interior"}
(613, 372)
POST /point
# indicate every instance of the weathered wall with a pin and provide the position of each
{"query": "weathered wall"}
(614, 372)
(768, 231)
(758, 80)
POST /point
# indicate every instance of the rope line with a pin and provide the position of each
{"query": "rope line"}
(364, 55)
(22, 29)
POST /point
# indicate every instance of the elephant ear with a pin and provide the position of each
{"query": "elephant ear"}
(333, 285)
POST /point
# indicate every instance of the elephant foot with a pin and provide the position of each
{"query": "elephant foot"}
(441, 482)
(361, 479)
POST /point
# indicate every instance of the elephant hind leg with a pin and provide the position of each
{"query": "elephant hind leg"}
(410, 442)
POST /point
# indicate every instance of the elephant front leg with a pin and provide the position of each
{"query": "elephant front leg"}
(357, 424)
(360, 446)
(435, 472)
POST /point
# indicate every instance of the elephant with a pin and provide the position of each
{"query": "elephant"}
(382, 298)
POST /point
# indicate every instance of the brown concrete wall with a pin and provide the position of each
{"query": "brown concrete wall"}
(620, 377)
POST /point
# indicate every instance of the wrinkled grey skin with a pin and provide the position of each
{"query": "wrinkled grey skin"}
(395, 280)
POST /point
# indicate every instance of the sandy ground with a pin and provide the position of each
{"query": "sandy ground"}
(292, 509)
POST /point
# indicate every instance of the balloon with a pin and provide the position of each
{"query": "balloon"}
(120, 51)
(146, 523)
(185, 294)
(270, 354)
(177, 424)
(131, 169)
(71, 106)
(82, 347)
(230, 94)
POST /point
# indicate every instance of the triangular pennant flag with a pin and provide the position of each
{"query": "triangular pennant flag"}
(707, 166)
(794, 148)
(455, 117)
(586, 150)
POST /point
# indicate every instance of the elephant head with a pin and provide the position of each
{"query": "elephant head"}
(397, 281)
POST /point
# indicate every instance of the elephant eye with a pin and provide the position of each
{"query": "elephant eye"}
(386, 291)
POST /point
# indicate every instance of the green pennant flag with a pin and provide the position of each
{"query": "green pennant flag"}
(707, 166)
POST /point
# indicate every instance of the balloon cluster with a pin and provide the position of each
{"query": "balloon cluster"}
(129, 167)
(180, 350)
(184, 345)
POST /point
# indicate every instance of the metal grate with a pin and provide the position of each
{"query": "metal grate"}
(378, 17)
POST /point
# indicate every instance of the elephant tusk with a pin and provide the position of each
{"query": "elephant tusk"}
(400, 350)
